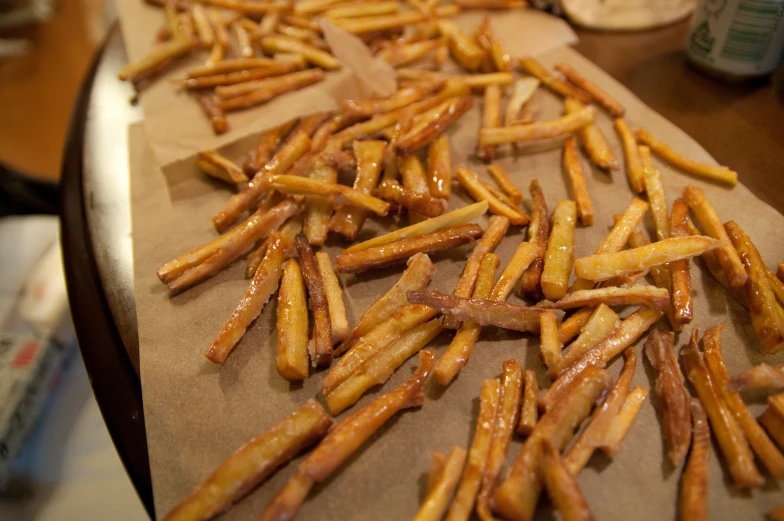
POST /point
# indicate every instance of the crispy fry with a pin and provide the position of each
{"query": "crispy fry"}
(593, 139)
(337, 309)
(423, 204)
(500, 59)
(242, 81)
(561, 485)
(417, 276)
(674, 400)
(216, 172)
(394, 252)
(261, 288)
(559, 255)
(479, 192)
(538, 233)
(777, 286)
(305, 7)
(601, 97)
(415, 181)
(216, 55)
(491, 4)
(439, 119)
(291, 57)
(215, 158)
(435, 470)
(694, 483)
(348, 220)
(516, 497)
(292, 324)
(401, 98)
(607, 265)
(369, 24)
(204, 30)
(247, 7)
(652, 180)
(538, 130)
(483, 312)
(462, 345)
(231, 65)
(299, 33)
(715, 173)
(711, 262)
(733, 444)
(319, 207)
(491, 118)
(549, 346)
(505, 421)
(528, 408)
(266, 27)
(774, 425)
(600, 324)
(522, 258)
(160, 56)
(264, 151)
(271, 89)
(522, 91)
(574, 173)
(464, 50)
(308, 186)
(345, 438)
(531, 66)
(650, 296)
(766, 319)
(399, 55)
(759, 377)
(437, 499)
(321, 346)
(621, 424)
(215, 114)
(439, 167)
(570, 327)
(502, 179)
(760, 443)
(451, 219)
(255, 259)
(504, 198)
(242, 38)
(634, 168)
(254, 462)
(679, 270)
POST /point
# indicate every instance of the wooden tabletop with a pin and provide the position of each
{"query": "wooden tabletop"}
(739, 124)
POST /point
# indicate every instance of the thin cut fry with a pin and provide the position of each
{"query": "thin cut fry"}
(561, 485)
(261, 288)
(239, 80)
(759, 377)
(531, 66)
(538, 130)
(321, 347)
(437, 499)
(443, 116)
(214, 113)
(528, 408)
(272, 88)
(574, 173)
(399, 55)
(319, 207)
(655, 191)
(714, 173)
(215, 158)
(230, 65)
(439, 167)
(264, 151)
(500, 59)
(601, 97)
(679, 270)
(241, 36)
(279, 43)
(415, 181)
(650, 296)
(491, 4)
(465, 51)
(204, 30)
(571, 327)
(538, 232)
(522, 258)
(549, 346)
(621, 424)
(368, 24)
(733, 444)
(345, 438)
(313, 6)
(522, 91)
(599, 325)
(559, 255)
(435, 470)
(634, 171)
(479, 192)
(160, 56)
(774, 425)
(694, 483)
(463, 502)
(423, 204)
(250, 8)
(593, 139)
(337, 309)
(502, 179)
(491, 118)
(292, 324)
(308, 186)
(252, 463)
(401, 98)
(766, 319)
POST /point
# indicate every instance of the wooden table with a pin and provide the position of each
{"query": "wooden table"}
(740, 124)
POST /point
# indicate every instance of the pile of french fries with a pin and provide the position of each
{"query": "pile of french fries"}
(287, 200)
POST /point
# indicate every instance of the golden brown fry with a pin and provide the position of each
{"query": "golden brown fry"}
(322, 183)
(498, 194)
(522, 91)
(423, 204)
(390, 253)
(271, 89)
(500, 59)
(313, 6)
(439, 167)
(321, 346)
(574, 173)
(231, 65)
(252, 463)
(505, 183)
(401, 98)
(291, 57)
(292, 324)
(717, 272)
(215, 172)
(266, 26)
(549, 345)
(760, 443)
(299, 33)
(714, 173)
(457, 217)
(654, 189)
(337, 309)
(538, 129)
(528, 408)
(268, 143)
(250, 8)
(242, 81)
(518, 494)
(679, 270)
(204, 30)
(463, 502)
(774, 425)
(777, 286)
(369, 24)
(570, 327)
(215, 158)
(417, 276)
(634, 168)
(479, 192)
(593, 139)
(491, 4)
(524, 255)
(766, 319)
(345, 438)
(483, 312)
(621, 424)
(607, 265)
(759, 377)
(674, 400)
(358, 10)
(309, 186)
(399, 55)
(435, 470)
(437, 499)
(160, 56)
(263, 285)
(650, 296)
(733, 444)
(538, 233)
(694, 483)
(601, 97)
(491, 118)
(554, 83)
(559, 255)
(561, 485)
(599, 325)
(439, 119)
(414, 180)
(464, 50)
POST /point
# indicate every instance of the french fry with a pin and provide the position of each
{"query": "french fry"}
(505, 421)
(679, 270)
(437, 499)
(268, 143)
(634, 169)
(216, 172)
(654, 189)
(561, 485)
(531, 66)
(594, 142)
(462, 345)
(414, 180)
(345, 438)
(439, 120)
(483, 312)
(308, 186)
(369, 24)
(322, 181)
(465, 497)
(570, 327)
(276, 87)
(538, 130)
(491, 4)
(673, 398)
(436, 469)
(501, 196)
(777, 286)
(251, 464)
(422, 204)
(760, 443)
(528, 408)
(693, 505)
(733, 444)
(201, 22)
(292, 324)
(522, 91)
(348, 220)
(160, 56)
(766, 319)
(417, 276)
(439, 167)
(780, 271)
(774, 425)
(321, 346)
(242, 38)
(601, 97)
(517, 496)
(464, 50)
(502, 179)
(491, 118)
(457, 217)
(759, 377)
(599, 325)
(215, 158)
(299, 33)
(549, 346)
(266, 26)
(574, 173)
(377, 369)
(482, 81)
(401, 98)
(538, 232)
(500, 59)
(399, 55)
(249, 8)
(303, 21)
(230, 65)
(607, 265)
(715, 173)
(242, 80)
(559, 255)
(709, 220)
(479, 192)
(185, 29)
(650, 296)
(522, 258)
(711, 262)
(620, 425)
(214, 113)
(261, 288)
(313, 6)
(337, 309)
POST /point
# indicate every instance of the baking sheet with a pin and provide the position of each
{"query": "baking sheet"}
(197, 413)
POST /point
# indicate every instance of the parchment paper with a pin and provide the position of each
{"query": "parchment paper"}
(196, 413)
